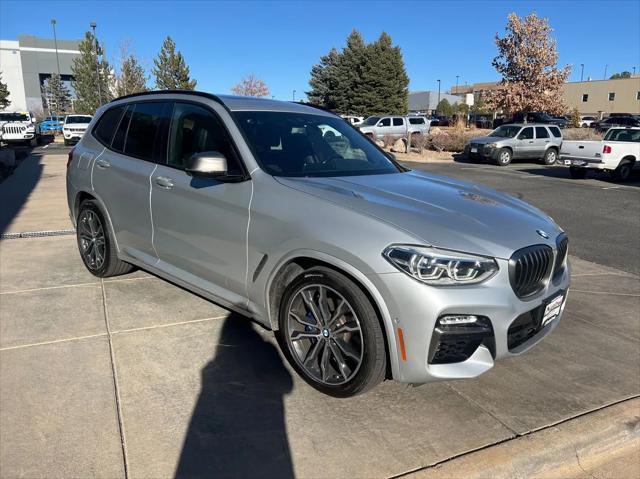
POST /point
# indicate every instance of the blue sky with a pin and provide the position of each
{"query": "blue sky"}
(280, 41)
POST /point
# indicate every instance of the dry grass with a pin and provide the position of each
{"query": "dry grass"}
(453, 138)
(581, 134)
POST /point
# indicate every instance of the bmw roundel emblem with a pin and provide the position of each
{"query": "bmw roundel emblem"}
(543, 234)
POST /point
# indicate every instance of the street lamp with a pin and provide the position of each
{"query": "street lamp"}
(93, 27)
(605, 72)
(55, 42)
(294, 95)
(438, 104)
(581, 71)
(457, 76)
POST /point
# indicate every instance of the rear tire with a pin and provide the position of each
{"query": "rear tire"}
(341, 353)
(577, 173)
(96, 243)
(504, 157)
(623, 171)
(550, 156)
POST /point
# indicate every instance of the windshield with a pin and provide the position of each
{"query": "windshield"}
(298, 144)
(372, 120)
(14, 117)
(619, 134)
(78, 119)
(505, 131)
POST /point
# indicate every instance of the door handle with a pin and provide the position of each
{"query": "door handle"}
(102, 163)
(164, 182)
(530, 141)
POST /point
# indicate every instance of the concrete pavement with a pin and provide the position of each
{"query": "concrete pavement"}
(136, 377)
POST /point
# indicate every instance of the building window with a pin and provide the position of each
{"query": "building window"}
(585, 97)
(612, 96)
(638, 95)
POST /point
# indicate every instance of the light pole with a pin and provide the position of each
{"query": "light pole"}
(93, 27)
(55, 43)
(294, 95)
(457, 76)
(581, 71)
(605, 72)
(438, 97)
(634, 71)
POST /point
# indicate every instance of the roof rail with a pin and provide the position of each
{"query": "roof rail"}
(160, 92)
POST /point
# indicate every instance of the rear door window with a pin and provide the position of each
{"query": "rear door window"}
(398, 121)
(416, 121)
(541, 132)
(145, 130)
(107, 124)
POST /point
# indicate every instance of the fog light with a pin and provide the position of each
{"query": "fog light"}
(458, 319)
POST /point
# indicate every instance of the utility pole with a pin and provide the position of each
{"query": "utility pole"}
(438, 97)
(457, 76)
(605, 72)
(95, 39)
(581, 71)
(55, 42)
(634, 71)
(294, 95)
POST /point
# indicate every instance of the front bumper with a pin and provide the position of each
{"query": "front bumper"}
(73, 135)
(482, 152)
(11, 137)
(415, 307)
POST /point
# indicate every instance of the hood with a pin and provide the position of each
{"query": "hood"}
(76, 125)
(438, 211)
(483, 140)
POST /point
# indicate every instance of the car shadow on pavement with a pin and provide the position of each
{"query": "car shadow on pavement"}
(561, 171)
(238, 425)
(15, 189)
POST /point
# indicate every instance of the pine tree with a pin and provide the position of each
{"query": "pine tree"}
(132, 78)
(363, 79)
(444, 108)
(56, 96)
(170, 70)
(4, 94)
(91, 77)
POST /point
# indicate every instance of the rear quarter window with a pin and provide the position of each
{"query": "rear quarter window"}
(416, 121)
(107, 124)
(555, 131)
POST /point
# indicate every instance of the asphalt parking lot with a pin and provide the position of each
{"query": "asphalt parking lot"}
(135, 377)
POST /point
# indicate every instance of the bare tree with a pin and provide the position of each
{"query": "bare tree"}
(251, 85)
(527, 60)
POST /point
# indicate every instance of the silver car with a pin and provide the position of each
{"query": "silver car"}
(364, 269)
(509, 141)
(379, 127)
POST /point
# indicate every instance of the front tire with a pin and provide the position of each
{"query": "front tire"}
(550, 156)
(504, 157)
(96, 244)
(577, 173)
(331, 334)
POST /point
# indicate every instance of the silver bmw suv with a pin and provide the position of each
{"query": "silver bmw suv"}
(285, 213)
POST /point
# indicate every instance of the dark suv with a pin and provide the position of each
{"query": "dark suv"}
(538, 117)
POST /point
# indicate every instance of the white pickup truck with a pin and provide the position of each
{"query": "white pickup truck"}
(617, 153)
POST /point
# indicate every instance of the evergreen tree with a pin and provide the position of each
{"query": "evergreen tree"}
(624, 74)
(4, 94)
(170, 70)
(444, 108)
(363, 79)
(91, 77)
(56, 96)
(132, 78)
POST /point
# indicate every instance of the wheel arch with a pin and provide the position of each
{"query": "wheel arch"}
(293, 265)
(84, 195)
(628, 159)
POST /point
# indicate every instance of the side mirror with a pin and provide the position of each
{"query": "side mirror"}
(207, 164)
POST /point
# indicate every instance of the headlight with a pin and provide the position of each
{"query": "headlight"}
(492, 145)
(438, 267)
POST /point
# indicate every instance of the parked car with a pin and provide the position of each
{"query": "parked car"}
(482, 121)
(19, 127)
(587, 121)
(613, 121)
(74, 127)
(52, 124)
(365, 269)
(378, 127)
(618, 153)
(539, 141)
(538, 117)
(354, 120)
(561, 121)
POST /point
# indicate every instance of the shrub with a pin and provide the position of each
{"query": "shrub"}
(581, 134)
(575, 119)
(388, 141)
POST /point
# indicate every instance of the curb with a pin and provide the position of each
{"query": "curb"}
(569, 449)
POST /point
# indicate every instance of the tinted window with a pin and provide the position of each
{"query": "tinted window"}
(541, 132)
(195, 129)
(623, 135)
(121, 133)
(107, 124)
(143, 129)
(555, 131)
(293, 144)
(585, 97)
(78, 119)
(385, 122)
(526, 134)
(505, 131)
(416, 121)
(612, 96)
(398, 122)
